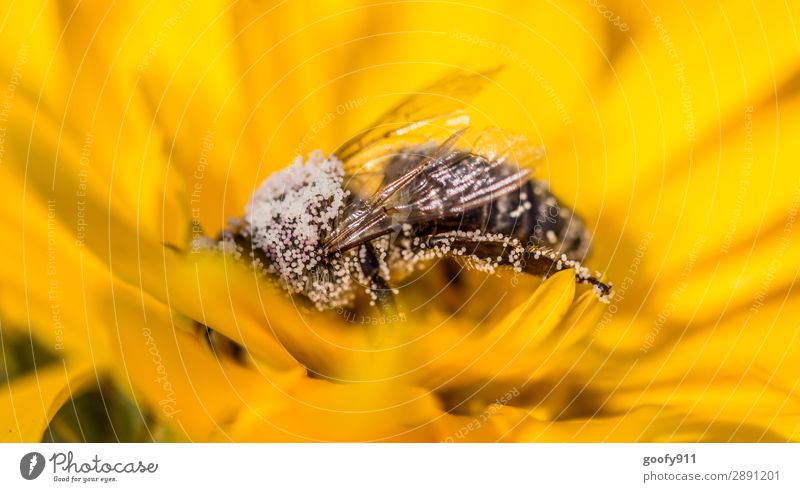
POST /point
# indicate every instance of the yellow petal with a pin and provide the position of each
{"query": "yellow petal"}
(29, 402)
(549, 51)
(756, 343)
(454, 354)
(534, 320)
(94, 139)
(168, 371)
(322, 411)
(648, 424)
(718, 231)
(685, 72)
(48, 283)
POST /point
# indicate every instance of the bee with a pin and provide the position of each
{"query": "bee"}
(418, 185)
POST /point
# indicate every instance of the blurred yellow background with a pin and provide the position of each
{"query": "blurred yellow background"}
(670, 127)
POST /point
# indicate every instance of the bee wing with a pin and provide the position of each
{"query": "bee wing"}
(448, 181)
(430, 115)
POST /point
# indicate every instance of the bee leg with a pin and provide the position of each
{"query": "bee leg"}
(541, 262)
(544, 262)
(378, 286)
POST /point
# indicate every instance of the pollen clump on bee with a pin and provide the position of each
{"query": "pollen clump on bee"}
(286, 219)
(294, 206)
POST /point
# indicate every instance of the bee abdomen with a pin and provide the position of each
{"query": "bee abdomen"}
(531, 214)
(534, 216)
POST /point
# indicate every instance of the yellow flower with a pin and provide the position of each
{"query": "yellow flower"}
(125, 132)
